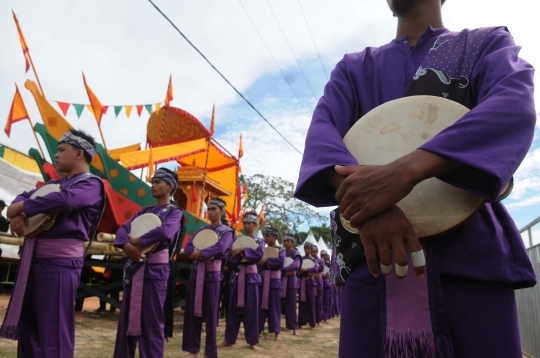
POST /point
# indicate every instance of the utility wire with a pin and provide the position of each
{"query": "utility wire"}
(222, 76)
(271, 54)
(312, 39)
(290, 47)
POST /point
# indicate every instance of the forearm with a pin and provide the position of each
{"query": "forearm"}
(332, 178)
(422, 164)
(15, 209)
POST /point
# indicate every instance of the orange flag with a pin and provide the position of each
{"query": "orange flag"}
(94, 102)
(169, 95)
(17, 112)
(23, 42)
(262, 219)
(213, 118)
(240, 149)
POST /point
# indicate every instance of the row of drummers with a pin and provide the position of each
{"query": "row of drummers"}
(265, 281)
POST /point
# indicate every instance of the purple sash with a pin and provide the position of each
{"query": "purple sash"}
(42, 248)
(268, 275)
(284, 284)
(137, 286)
(250, 269)
(202, 268)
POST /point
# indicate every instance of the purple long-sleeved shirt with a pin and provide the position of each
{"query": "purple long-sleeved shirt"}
(78, 205)
(274, 264)
(219, 251)
(254, 255)
(165, 233)
(294, 267)
(492, 139)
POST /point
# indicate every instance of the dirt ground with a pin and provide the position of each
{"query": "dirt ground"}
(96, 332)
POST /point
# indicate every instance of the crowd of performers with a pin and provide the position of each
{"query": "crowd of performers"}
(40, 313)
(261, 289)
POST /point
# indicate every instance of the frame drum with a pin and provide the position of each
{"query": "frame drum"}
(288, 261)
(399, 127)
(143, 224)
(204, 239)
(243, 242)
(307, 264)
(41, 222)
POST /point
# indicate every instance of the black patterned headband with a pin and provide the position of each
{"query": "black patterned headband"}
(167, 176)
(78, 142)
(220, 203)
(271, 231)
(250, 218)
(288, 238)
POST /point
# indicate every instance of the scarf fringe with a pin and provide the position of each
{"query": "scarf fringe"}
(10, 332)
(408, 344)
(134, 332)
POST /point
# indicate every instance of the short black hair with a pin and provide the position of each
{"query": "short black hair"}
(442, 2)
(88, 138)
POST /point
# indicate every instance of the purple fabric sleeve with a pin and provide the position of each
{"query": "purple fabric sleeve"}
(165, 232)
(25, 195)
(121, 237)
(294, 266)
(320, 265)
(84, 193)
(334, 115)
(277, 262)
(220, 248)
(255, 255)
(505, 113)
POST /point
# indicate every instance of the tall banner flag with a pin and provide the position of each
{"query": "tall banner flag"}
(17, 112)
(240, 148)
(213, 118)
(23, 43)
(94, 102)
(169, 95)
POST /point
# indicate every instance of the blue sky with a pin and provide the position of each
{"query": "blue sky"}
(127, 51)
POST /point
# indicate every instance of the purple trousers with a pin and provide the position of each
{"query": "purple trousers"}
(306, 310)
(291, 317)
(152, 341)
(273, 313)
(327, 302)
(191, 340)
(249, 315)
(319, 302)
(482, 317)
(48, 317)
(337, 300)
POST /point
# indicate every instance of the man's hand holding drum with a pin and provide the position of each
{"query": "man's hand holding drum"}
(367, 196)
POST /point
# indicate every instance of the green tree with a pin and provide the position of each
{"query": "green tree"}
(324, 232)
(281, 209)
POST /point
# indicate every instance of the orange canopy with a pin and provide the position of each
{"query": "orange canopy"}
(171, 125)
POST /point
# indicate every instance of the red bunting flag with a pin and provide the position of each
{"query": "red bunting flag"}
(64, 107)
(139, 109)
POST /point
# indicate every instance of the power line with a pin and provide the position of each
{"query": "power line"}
(222, 76)
(312, 39)
(290, 47)
(271, 54)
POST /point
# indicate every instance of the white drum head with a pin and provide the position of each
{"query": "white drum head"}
(325, 270)
(399, 127)
(144, 224)
(271, 252)
(205, 238)
(245, 242)
(35, 221)
(307, 264)
(288, 261)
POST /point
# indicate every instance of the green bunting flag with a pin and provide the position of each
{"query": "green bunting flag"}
(79, 108)
(148, 108)
(117, 110)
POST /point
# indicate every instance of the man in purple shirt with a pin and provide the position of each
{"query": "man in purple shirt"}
(244, 288)
(40, 313)
(319, 282)
(271, 285)
(205, 309)
(328, 292)
(308, 291)
(289, 284)
(145, 281)
(466, 286)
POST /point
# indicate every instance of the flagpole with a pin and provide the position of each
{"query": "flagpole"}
(29, 57)
(35, 135)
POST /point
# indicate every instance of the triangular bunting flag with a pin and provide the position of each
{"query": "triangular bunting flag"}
(64, 107)
(17, 113)
(79, 108)
(148, 108)
(128, 110)
(117, 110)
(90, 108)
(104, 109)
(139, 109)
(158, 106)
